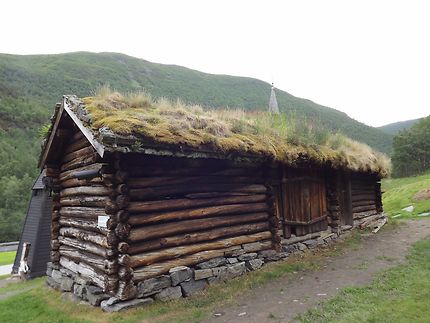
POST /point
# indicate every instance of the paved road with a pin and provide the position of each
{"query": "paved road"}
(9, 246)
(4, 270)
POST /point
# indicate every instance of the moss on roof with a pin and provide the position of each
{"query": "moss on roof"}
(229, 131)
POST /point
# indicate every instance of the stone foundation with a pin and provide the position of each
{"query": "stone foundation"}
(184, 281)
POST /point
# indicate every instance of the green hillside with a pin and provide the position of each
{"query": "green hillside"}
(44, 78)
(396, 127)
(31, 85)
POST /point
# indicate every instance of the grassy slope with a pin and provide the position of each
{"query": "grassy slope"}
(396, 127)
(399, 194)
(399, 294)
(7, 257)
(44, 78)
(43, 304)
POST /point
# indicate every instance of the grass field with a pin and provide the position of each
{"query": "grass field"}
(45, 305)
(7, 257)
(399, 194)
(399, 294)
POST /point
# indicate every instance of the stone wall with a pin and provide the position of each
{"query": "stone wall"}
(184, 281)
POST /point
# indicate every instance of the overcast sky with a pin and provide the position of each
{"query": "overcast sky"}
(370, 59)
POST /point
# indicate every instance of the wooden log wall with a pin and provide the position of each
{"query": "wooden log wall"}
(52, 171)
(364, 196)
(119, 209)
(185, 211)
(82, 245)
(333, 203)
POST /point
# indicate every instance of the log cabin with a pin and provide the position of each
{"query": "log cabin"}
(154, 200)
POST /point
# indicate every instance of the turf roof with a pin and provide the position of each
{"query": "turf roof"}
(175, 125)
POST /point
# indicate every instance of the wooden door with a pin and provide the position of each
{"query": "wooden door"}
(304, 203)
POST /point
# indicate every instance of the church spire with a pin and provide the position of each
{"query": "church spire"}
(273, 103)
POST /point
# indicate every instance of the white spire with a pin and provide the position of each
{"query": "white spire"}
(273, 103)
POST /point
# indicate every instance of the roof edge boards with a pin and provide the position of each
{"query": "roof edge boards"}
(87, 133)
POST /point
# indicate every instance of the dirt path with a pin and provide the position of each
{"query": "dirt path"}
(283, 299)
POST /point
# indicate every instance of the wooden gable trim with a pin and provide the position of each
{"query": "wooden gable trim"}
(87, 133)
(64, 107)
(51, 137)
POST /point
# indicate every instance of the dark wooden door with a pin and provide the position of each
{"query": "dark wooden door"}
(304, 203)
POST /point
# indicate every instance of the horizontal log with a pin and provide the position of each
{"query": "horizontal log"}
(167, 229)
(364, 202)
(81, 182)
(215, 194)
(71, 173)
(121, 216)
(83, 235)
(86, 190)
(111, 207)
(122, 230)
(161, 268)
(178, 204)
(157, 192)
(370, 187)
(122, 189)
(76, 145)
(209, 211)
(189, 238)
(104, 265)
(294, 240)
(85, 246)
(108, 284)
(82, 212)
(363, 208)
(142, 182)
(85, 224)
(122, 201)
(148, 258)
(80, 162)
(86, 151)
(95, 201)
(362, 192)
(362, 197)
(361, 215)
(123, 247)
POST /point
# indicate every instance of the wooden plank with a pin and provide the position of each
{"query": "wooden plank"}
(87, 133)
(48, 145)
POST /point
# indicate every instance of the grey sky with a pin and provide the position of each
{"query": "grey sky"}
(370, 59)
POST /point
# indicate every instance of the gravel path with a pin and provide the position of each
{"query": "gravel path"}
(283, 299)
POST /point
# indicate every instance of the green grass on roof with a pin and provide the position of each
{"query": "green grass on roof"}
(278, 137)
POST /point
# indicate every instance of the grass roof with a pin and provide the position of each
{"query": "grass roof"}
(228, 131)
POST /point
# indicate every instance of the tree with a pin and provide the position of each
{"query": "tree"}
(411, 150)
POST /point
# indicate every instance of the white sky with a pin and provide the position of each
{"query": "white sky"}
(370, 59)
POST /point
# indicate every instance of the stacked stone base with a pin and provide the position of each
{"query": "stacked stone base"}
(183, 281)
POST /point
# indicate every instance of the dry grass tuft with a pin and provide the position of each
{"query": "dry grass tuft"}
(278, 137)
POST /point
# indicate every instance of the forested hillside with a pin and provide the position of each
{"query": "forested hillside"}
(411, 150)
(396, 127)
(31, 85)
